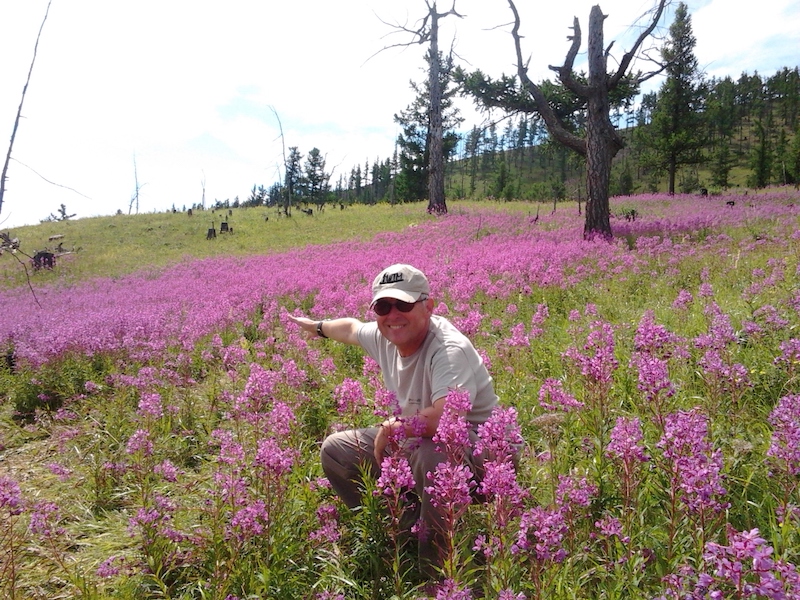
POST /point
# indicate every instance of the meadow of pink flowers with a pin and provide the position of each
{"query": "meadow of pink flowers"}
(653, 381)
(496, 254)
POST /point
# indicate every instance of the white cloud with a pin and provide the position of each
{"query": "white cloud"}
(736, 36)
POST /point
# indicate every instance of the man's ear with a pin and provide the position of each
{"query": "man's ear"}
(429, 305)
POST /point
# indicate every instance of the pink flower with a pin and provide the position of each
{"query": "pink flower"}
(500, 436)
(541, 533)
(452, 433)
(683, 300)
(140, 442)
(386, 404)
(626, 441)
(328, 517)
(349, 396)
(790, 354)
(396, 479)
(110, 567)
(499, 484)
(274, 459)
(230, 451)
(596, 360)
(452, 590)
(281, 419)
(59, 470)
(538, 319)
(150, 405)
(574, 491)
(10, 495)
(611, 527)
(167, 470)
(553, 397)
(519, 337)
(44, 520)
(452, 486)
(696, 466)
(785, 444)
(249, 521)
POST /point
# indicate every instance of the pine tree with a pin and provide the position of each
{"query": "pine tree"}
(721, 164)
(677, 136)
(292, 178)
(761, 158)
(414, 140)
(794, 157)
(316, 179)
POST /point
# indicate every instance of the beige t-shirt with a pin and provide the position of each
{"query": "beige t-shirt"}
(446, 360)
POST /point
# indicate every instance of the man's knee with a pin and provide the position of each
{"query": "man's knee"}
(325, 455)
(333, 452)
(347, 450)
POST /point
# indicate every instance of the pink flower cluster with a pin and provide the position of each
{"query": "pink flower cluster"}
(696, 467)
(742, 568)
(785, 444)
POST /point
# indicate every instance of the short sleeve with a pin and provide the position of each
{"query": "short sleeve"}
(450, 369)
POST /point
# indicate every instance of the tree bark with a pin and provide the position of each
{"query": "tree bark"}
(602, 140)
(436, 200)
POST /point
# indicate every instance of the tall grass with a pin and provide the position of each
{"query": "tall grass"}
(160, 427)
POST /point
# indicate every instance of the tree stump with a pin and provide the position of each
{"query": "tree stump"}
(44, 260)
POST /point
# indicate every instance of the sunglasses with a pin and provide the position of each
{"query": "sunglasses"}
(384, 307)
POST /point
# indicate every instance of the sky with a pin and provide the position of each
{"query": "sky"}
(197, 99)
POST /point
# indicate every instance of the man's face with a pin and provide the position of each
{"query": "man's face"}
(406, 330)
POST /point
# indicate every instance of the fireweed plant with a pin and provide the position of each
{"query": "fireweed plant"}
(160, 439)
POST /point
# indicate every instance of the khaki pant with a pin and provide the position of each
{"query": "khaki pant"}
(346, 454)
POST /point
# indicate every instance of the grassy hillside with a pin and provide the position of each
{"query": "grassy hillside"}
(120, 244)
(532, 171)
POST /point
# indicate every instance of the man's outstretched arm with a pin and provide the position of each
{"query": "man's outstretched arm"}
(344, 330)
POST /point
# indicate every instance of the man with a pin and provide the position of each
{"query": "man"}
(422, 356)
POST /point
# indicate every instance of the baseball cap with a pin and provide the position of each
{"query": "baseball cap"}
(401, 282)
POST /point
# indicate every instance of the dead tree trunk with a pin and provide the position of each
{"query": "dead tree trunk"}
(4, 174)
(602, 140)
(436, 200)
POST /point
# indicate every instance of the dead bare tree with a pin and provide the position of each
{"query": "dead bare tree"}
(428, 32)
(4, 174)
(203, 184)
(287, 189)
(137, 189)
(602, 141)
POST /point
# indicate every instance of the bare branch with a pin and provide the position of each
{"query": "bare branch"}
(566, 72)
(629, 56)
(453, 11)
(66, 187)
(554, 125)
(11, 245)
(3, 176)
(419, 35)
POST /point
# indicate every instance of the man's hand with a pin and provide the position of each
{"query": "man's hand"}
(306, 324)
(386, 435)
